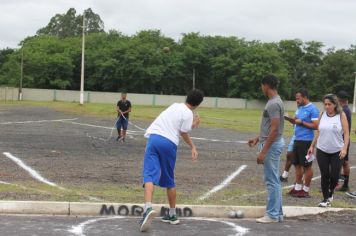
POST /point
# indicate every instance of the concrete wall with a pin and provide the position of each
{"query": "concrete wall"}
(10, 94)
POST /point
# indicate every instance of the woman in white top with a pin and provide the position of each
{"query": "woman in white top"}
(331, 147)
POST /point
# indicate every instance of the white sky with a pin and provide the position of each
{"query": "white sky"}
(332, 22)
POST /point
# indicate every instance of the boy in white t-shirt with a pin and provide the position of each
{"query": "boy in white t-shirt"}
(161, 150)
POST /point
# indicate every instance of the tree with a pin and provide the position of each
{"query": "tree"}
(70, 24)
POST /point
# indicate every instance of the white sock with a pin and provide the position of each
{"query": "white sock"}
(298, 187)
(285, 174)
(147, 205)
(306, 188)
(172, 212)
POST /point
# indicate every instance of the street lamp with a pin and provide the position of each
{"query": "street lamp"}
(353, 104)
(81, 99)
(193, 77)
(21, 76)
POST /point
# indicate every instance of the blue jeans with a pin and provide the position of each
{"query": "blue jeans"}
(271, 176)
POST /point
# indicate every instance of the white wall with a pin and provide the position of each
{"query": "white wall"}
(10, 94)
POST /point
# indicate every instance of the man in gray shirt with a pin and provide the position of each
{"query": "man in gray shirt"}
(271, 147)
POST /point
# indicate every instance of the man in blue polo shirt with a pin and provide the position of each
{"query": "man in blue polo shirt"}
(306, 121)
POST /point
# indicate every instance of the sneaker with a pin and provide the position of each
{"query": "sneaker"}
(283, 179)
(351, 194)
(266, 220)
(173, 220)
(292, 191)
(301, 194)
(324, 203)
(148, 216)
(343, 188)
(118, 138)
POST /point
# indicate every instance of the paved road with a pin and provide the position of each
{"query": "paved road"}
(53, 225)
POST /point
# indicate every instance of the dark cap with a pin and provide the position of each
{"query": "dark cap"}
(343, 95)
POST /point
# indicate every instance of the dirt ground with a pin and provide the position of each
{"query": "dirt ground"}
(76, 155)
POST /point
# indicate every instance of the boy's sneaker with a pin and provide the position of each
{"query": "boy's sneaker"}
(283, 179)
(118, 138)
(301, 194)
(148, 216)
(292, 191)
(325, 203)
(266, 220)
(351, 194)
(173, 220)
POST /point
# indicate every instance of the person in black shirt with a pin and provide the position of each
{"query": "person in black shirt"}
(123, 109)
(343, 100)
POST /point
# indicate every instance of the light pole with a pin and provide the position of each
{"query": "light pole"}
(353, 104)
(193, 77)
(81, 99)
(21, 76)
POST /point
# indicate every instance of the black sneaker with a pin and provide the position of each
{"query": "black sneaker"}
(283, 179)
(173, 220)
(145, 222)
(118, 138)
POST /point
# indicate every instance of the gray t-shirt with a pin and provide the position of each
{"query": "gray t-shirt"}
(273, 109)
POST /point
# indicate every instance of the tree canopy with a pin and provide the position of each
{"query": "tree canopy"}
(224, 66)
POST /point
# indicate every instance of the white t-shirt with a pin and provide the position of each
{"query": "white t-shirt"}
(171, 122)
(330, 134)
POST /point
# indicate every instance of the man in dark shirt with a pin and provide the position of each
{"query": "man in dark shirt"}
(123, 109)
(343, 100)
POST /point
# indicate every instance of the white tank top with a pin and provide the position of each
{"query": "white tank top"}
(330, 134)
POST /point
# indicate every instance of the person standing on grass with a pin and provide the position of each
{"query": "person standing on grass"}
(271, 147)
(331, 141)
(161, 151)
(306, 121)
(343, 99)
(123, 109)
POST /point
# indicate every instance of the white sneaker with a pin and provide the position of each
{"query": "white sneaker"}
(324, 203)
(266, 220)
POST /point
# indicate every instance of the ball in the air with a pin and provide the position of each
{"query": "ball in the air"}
(166, 49)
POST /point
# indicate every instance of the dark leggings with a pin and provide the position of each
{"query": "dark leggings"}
(329, 165)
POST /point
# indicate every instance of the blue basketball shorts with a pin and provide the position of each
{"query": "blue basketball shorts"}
(159, 161)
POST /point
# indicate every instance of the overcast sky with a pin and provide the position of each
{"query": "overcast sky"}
(332, 22)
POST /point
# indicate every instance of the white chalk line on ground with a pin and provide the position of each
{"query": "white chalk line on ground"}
(221, 141)
(31, 171)
(36, 175)
(240, 231)
(140, 133)
(35, 121)
(223, 184)
(78, 230)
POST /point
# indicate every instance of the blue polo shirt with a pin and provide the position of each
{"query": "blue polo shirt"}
(307, 113)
